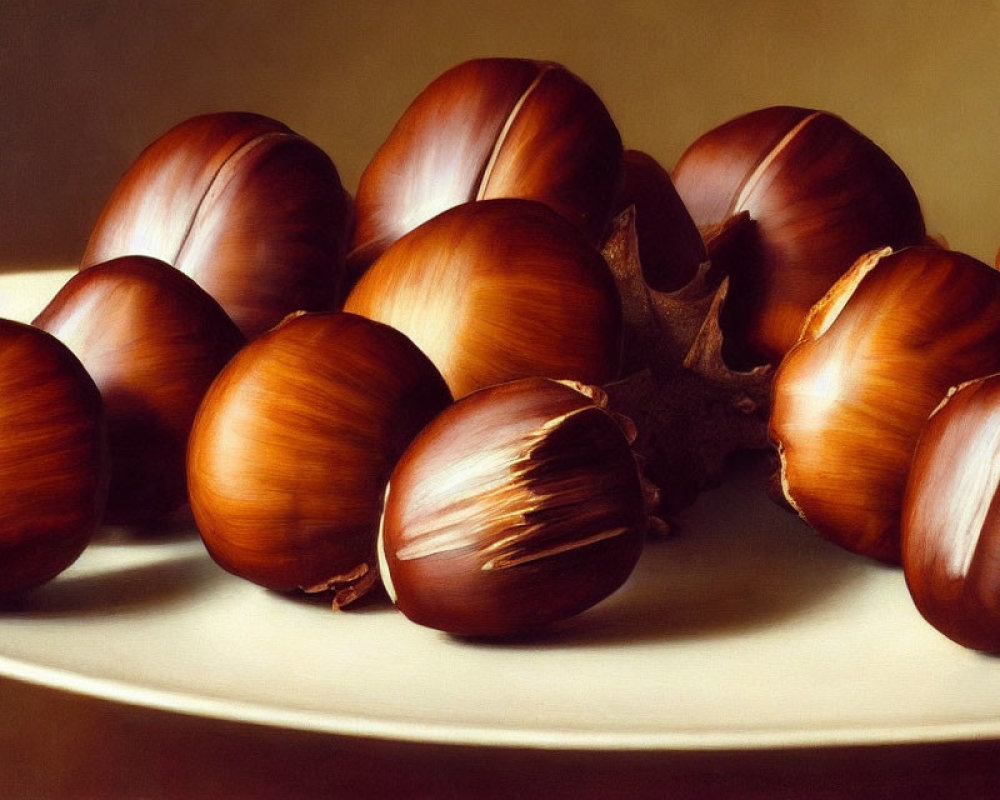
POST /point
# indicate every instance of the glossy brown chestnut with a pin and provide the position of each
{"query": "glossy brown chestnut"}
(293, 445)
(520, 505)
(152, 340)
(53, 457)
(951, 517)
(876, 356)
(671, 248)
(820, 193)
(498, 290)
(492, 127)
(249, 209)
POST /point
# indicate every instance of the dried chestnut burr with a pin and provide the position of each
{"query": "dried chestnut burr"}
(252, 211)
(817, 193)
(951, 517)
(691, 409)
(670, 247)
(520, 505)
(488, 128)
(53, 457)
(152, 340)
(294, 443)
(498, 290)
(876, 356)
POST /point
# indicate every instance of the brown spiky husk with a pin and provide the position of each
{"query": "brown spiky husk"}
(691, 410)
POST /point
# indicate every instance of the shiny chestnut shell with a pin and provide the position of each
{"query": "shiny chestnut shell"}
(499, 290)
(951, 517)
(875, 358)
(820, 194)
(518, 506)
(153, 341)
(252, 211)
(487, 128)
(671, 248)
(294, 443)
(53, 457)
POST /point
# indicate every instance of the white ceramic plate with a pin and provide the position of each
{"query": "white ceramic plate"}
(744, 630)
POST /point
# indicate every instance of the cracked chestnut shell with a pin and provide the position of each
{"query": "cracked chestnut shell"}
(876, 356)
(293, 445)
(53, 457)
(252, 211)
(152, 340)
(499, 290)
(820, 194)
(488, 128)
(520, 505)
(951, 517)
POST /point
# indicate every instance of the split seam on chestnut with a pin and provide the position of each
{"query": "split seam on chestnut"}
(515, 351)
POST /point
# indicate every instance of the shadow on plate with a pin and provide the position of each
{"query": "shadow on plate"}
(736, 561)
(128, 589)
(178, 527)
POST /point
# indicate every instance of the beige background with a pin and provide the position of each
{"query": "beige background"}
(85, 84)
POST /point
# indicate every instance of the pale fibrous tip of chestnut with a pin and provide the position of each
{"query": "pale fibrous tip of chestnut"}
(537, 522)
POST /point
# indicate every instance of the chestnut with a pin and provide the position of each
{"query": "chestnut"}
(820, 195)
(950, 527)
(487, 128)
(670, 246)
(520, 505)
(293, 445)
(252, 211)
(53, 457)
(876, 355)
(498, 290)
(152, 340)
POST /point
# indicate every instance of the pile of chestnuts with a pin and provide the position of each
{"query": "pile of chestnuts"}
(483, 379)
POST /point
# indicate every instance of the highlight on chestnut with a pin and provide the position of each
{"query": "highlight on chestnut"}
(819, 194)
(484, 378)
(520, 505)
(253, 212)
(490, 128)
(875, 358)
(950, 528)
(293, 445)
(497, 290)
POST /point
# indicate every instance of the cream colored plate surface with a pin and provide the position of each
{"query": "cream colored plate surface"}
(743, 630)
